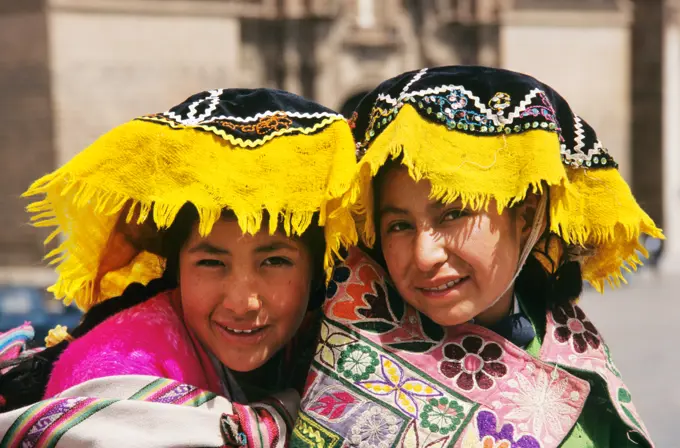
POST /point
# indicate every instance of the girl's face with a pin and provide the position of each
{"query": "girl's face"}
(448, 263)
(244, 296)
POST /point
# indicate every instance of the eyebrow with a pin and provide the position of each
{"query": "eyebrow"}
(273, 247)
(435, 206)
(206, 247)
(393, 210)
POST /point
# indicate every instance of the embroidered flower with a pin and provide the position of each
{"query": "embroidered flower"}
(329, 343)
(457, 100)
(473, 361)
(340, 275)
(573, 324)
(375, 428)
(357, 362)
(499, 102)
(441, 415)
(543, 401)
(490, 436)
(405, 390)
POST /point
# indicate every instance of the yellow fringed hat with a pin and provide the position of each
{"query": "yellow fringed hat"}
(251, 151)
(479, 133)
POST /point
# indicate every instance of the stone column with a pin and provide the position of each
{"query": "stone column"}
(671, 139)
(26, 134)
(647, 124)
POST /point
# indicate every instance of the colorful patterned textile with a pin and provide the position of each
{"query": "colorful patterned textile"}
(119, 411)
(13, 344)
(384, 376)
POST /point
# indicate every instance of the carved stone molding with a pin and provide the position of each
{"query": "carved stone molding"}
(467, 12)
(581, 5)
(259, 9)
(372, 23)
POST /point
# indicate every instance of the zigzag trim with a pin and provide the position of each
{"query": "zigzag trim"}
(580, 134)
(192, 107)
(256, 117)
(248, 143)
(414, 79)
(386, 98)
(522, 106)
(489, 113)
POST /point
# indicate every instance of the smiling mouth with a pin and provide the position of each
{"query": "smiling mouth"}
(446, 286)
(243, 332)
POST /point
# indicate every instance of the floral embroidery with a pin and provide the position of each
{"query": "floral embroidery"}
(340, 275)
(490, 436)
(573, 324)
(329, 342)
(500, 102)
(457, 100)
(542, 401)
(357, 362)
(473, 362)
(441, 415)
(405, 390)
(375, 428)
(263, 126)
(334, 404)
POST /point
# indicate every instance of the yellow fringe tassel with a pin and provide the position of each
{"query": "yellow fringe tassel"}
(590, 208)
(155, 170)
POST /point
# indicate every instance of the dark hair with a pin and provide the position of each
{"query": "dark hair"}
(25, 382)
(534, 283)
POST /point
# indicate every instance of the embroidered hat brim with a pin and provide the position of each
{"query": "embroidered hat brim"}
(249, 151)
(478, 134)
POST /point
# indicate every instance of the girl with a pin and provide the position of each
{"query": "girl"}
(488, 202)
(218, 200)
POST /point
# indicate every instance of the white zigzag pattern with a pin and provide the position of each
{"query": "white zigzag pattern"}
(386, 98)
(415, 78)
(213, 105)
(522, 106)
(191, 116)
(597, 150)
(255, 117)
(580, 134)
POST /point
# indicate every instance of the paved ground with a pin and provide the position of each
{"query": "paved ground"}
(641, 324)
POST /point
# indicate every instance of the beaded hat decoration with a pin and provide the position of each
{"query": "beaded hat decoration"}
(479, 133)
(251, 151)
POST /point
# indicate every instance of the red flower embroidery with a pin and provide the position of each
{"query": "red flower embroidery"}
(573, 324)
(473, 361)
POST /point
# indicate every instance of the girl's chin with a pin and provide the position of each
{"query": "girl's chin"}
(455, 314)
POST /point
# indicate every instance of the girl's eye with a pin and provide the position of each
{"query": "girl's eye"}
(210, 263)
(451, 215)
(277, 262)
(398, 226)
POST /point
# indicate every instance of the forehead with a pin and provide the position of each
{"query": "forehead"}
(227, 231)
(397, 187)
